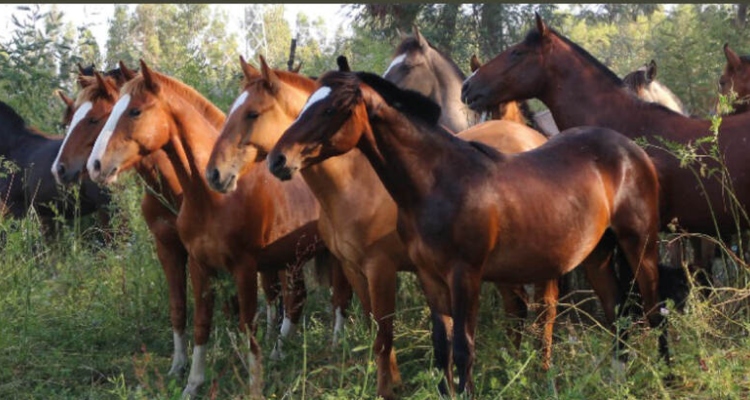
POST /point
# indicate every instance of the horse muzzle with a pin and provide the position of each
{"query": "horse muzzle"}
(228, 184)
(277, 164)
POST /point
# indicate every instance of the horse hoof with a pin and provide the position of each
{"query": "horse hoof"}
(177, 371)
(276, 354)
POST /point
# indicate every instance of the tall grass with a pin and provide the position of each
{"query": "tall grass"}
(80, 320)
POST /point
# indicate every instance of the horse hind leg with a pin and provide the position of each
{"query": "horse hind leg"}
(295, 294)
(516, 306)
(548, 293)
(438, 298)
(272, 287)
(465, 281)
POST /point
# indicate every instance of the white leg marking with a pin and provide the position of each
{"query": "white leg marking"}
(396, 61)
(79, 115)
(338, 325)
(270, 321)
(109, 127)
(287, 328)
(179, 357)
(197, 372)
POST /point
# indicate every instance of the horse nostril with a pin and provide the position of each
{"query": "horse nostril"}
(278, 162)
(214, 175)
(97, 166)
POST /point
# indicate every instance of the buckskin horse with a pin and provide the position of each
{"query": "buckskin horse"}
(468, 212)
(253, 229)
(358, 221)
(579, 90)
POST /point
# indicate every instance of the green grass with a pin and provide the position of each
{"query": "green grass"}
(79, 320)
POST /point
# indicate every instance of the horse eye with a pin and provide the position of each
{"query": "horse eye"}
(134, 112)
(329, 111)
(93, 121)
(252, 115)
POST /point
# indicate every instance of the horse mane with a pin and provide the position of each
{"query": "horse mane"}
(10, 117)
(409, 102)
(293, 79)
(91, 91)
(411, 43)
(534, 37)
(213, 114)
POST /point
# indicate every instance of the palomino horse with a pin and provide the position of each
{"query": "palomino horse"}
(263, 110)
(579, 90)
(468, 212)
(31, 186)
(417, 65)
(736, 78)
(358, 222)
(254, 228)
(642, 82)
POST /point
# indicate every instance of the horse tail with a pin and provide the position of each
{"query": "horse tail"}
(323, 265)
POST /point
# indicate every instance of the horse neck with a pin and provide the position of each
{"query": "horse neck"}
(662, 95)
(158, 173)
(455, 114)
(403, 154)
(338, 181)
(513, 113)
(191, 139)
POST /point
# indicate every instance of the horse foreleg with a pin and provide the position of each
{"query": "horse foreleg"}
(465, 283)
(439, 299)
(342, 297)
(271, 282)
(200, 277)
(246, 278)
(295, 293)
(381, 277)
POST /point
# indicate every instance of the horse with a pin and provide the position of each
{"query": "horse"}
(736, 78)
(580, 90)
(271, 95)
(250, 230)
(30, 185)
(642, 82)
(467, 211)
(358, 222)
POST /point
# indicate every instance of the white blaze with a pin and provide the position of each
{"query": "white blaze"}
(396, 61)
(109, 128)
(319, 95)
(237, 103)
(80, 114)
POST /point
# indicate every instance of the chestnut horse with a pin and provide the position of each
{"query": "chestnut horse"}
(467, 211)
(358, 222)
(736, 78)
(579, 90)
(263, 110)
(417, 65)
(254, 228)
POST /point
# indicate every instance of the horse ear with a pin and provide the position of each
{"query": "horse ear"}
(651, 71)
(343, 64)
(474, 63)
(127, 73)
(149, 78)
(732, 58)
(248, 70)
(105, 87)
(420, 39)
(67, 100)
(541, 26)
(272, 80)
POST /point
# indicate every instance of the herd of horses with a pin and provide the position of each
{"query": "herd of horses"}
(422, 169)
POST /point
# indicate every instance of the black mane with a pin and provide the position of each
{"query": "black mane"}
(407, 101)
(10, 119)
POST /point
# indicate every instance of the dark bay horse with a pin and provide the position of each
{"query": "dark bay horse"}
(358, 222)
(736, 78)
(579, 90)
(467, 211)
(419, 66)
(32, 185)
(252, 229)
(269, 101)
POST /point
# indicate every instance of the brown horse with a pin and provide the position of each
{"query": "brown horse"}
(254, 228)
(268, 103)
(736, 78)
(468, 212)
(417, 65)
(579, 90)
(358, 222)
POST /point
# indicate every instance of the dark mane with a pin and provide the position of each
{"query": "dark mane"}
(407, 101)
(745, 58)
(412, 44)
(10, 117)
(535, 38)
(635, 79)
